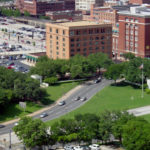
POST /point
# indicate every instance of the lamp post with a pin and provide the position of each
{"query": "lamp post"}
(10, 140)
(142, 83)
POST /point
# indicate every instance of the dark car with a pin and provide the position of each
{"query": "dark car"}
(77, 98)
(28, 42)
(2, 126)
(98, 80)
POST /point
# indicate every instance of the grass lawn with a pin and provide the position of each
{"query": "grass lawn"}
(146, 117)
(111, 98)
(54, 92)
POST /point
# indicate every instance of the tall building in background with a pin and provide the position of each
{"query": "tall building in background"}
(134, 32)
(40, 7)
(64, 40)
(86, 4)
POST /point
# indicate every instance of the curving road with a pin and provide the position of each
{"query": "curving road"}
(88, 90)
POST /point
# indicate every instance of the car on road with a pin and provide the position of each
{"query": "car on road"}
(16, 123)
(83, 99)
(78, 148)
(61, 103)
(77, 98)
(94, 147)
(98, 80)
(43, 115)
(2, 126)
(69, 147)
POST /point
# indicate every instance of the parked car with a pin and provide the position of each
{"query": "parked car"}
(94, 147)
(10, 63)
(77, 98)
(78, 148)
(43, 115)
(61, 103)
(28, 42)
(83, 99)
(68, 147)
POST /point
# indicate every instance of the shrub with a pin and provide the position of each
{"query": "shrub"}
(51, 80)
(147, 91)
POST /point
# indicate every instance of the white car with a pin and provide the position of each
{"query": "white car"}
(61, 103)
(94, 147)
(83, 99)
(16, 123)
(78, 148)
(43, 115)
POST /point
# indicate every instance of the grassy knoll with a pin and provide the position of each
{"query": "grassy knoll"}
(54, 92)
(112, 98)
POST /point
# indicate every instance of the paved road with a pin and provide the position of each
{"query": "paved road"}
(88, 90)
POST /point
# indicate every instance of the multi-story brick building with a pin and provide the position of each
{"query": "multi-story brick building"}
(139, 2)
(134, 31)
(39, 7)
(86, 4)
(64, 40)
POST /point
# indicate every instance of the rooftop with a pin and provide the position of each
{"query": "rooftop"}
(78, 23)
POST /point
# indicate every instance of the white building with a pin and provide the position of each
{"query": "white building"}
(86, 4)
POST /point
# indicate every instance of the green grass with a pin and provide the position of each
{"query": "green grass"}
(111, 98)
(55, 92)
(13, 111)
(146, 117)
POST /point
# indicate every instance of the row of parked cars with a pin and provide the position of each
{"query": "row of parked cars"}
(90, 147)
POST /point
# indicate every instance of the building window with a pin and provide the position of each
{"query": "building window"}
(90, 48)
(78, 50)
(72, 40)
(64, 54)
(131, 20)
(131, 32)
(50, 29)
(127, 37)
(84, 49)
(63, 49)
(96, 30)
(72, 50)
(51, 36)
(127, 43)
(63, 39)
(102, 42)
(78, 32)
(78, 44)
(127, 31)
(90, 31)
(136, 38)
(57, 53)
(85, 32)
(57, 43)
(96, 43)
(77, 39)
(136, 21)
(102, 37)
(136, 32)
(131, 38)
(136, 44)
(90, 43)
(91, 38)
(103, 47)
(96, 48)
(126, 19)
(136, 27)
(56, 30)
(84, 44)
(72, 45)
(97, 38)
(57, 48)
(71, 33)
(102, 30)
(63, 44)
(84, 39)
(63, 32)
(57, 37)
(51, 41)
(84, 54)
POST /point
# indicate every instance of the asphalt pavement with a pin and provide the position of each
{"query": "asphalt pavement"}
(88, 90)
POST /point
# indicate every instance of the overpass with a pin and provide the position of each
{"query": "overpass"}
(21, 52)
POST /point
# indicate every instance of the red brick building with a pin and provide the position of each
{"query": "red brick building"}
(39, 7)
(64, 40)
(134, 32)
(139, 2)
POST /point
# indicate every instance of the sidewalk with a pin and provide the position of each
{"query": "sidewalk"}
(47, 108)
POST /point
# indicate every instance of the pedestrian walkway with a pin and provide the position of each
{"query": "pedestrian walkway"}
(140, 111)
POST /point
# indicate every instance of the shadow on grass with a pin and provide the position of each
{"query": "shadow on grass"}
(10, 112)
(123, 84)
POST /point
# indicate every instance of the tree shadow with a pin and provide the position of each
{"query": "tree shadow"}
(124, 84)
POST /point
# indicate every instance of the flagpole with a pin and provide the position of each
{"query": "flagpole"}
(142, 85)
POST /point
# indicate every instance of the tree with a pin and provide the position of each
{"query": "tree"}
(120, 119)
(51, 81)
(26, 14)
(114, 71)
(136, 135)
(128, 56)
(16, 13)
(32, 132)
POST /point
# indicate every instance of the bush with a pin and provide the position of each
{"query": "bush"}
(147, 91)
(51, 81)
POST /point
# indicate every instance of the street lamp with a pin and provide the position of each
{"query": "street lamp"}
(10, 140)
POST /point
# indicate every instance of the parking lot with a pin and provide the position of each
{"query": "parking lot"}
(20, 37)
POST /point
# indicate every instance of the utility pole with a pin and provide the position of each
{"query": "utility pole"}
(142, 83)
(10, 140)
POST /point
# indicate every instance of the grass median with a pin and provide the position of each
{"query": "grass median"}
(121, 97)
(13, 111)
